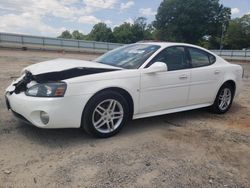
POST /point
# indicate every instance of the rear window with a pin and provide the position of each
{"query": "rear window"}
(200, 58)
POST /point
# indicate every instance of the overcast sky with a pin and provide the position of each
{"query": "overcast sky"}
(51, 17)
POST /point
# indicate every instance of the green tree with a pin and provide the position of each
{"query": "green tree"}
(131, 33)
(124, 33)
(101, 32)
(66, 35)
(238, 33)
(149, 34)
(141, 30)
(189, 21)
(78, 35)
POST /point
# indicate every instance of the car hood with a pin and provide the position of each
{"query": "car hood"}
(58, 70)
(58, 65)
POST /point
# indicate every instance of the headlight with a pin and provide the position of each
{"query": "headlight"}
(56, 89)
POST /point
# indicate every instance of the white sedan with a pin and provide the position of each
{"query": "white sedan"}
(134, 81)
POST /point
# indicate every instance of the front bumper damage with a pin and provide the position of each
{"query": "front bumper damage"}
(19, 116)
(64, 112)
(21, 85)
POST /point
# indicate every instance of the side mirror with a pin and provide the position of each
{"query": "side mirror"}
(157, 67)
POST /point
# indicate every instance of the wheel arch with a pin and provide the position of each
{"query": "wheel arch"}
(229, 81)
(216, 104)
(232, 83)
(119, 90)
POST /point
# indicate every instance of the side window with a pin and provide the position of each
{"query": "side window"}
(200, 58)
(212, 58)
(174, 57)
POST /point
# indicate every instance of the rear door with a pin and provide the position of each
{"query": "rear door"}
(205, 77)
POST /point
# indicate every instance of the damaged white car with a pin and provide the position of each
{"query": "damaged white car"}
(134, 81)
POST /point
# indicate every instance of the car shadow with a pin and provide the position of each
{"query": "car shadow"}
(54, 137)
(67, 137)
(164, 121)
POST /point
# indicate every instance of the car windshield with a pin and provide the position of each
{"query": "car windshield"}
(129, 56)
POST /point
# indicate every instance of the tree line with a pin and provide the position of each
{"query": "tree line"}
(206, 23)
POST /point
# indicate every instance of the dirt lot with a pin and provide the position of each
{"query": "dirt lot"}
(189, 149)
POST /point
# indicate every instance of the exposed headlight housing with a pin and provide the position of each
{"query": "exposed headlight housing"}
(53, 89)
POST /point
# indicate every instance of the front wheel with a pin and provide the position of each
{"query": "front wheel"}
(105, 114)
(223, 99)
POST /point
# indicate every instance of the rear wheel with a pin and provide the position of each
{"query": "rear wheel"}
(105, 114)
(223, 99)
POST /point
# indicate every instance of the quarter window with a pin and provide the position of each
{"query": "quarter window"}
(212, 58)
(200, 58)
(174, 57)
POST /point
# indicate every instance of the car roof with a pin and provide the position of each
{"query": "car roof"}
(167, 44)
(163, 44)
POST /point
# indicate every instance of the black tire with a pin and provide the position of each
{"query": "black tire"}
(216, 106)
(87, 116)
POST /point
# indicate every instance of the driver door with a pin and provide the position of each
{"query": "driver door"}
(166, 90)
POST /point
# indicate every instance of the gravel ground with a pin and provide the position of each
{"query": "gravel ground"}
(188, 149)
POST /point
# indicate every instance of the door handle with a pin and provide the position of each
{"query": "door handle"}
(217, 72)
(183, 76)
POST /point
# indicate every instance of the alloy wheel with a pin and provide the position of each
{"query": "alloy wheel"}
(107, 116)
(225, 98)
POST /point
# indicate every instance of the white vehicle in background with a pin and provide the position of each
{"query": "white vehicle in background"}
(134, 81)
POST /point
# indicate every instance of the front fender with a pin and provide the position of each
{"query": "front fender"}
(131, 85)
